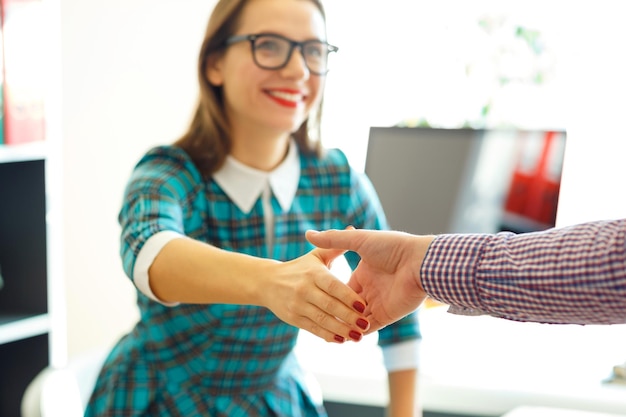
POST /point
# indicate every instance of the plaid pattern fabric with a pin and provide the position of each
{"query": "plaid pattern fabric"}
(574, 274)
(224, 360)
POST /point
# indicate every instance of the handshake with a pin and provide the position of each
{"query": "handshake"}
(383, 288)
(511, 276)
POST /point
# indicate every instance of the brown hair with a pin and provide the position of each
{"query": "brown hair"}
(207, 140)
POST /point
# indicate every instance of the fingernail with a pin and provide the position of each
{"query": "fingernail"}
(358, 306)
(339, 339)
(356, 336)
(362, 323)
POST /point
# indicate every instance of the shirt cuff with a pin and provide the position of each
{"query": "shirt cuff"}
(465, 311)
(449, 268)
(144, 260)
(401, 356)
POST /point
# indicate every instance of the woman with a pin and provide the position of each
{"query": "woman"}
(213, 235)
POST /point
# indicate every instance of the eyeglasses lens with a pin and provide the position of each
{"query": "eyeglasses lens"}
(273, 52)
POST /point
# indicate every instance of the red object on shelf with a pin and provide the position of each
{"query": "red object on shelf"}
(535, 183)
(24, 70)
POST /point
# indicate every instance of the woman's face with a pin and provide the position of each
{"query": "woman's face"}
(272, 101)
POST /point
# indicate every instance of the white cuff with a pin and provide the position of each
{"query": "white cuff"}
(403, 355)
(144, 260)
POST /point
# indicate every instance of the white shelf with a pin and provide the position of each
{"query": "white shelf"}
(14, 328)
(23, 152)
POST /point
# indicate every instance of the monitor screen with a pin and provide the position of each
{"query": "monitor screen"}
(435, 180)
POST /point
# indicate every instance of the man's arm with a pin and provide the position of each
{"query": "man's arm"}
(575, 274)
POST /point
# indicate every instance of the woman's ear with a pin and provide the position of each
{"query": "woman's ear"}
(213, 71)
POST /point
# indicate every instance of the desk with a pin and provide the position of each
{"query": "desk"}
(482, 366)
(553, 412)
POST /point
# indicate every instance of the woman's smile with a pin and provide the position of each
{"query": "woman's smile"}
(286, 97)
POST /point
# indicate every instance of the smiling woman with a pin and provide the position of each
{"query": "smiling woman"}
(212, 235)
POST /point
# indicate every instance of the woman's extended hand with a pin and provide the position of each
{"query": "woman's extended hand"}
(304, 293)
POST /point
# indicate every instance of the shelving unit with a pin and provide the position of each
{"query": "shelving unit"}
(32, 308)
(24, 315)
(28, 339)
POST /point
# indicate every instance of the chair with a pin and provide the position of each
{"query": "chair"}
(64, 392)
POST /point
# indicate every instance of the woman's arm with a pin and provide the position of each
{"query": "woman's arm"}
(298, 291)
(166, 195)
(403, 401)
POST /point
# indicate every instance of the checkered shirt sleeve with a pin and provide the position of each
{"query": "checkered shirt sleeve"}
(574, 274)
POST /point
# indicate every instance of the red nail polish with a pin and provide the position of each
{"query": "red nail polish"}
(339, 339)
(362, 323)
(358, 306)
(356, 336)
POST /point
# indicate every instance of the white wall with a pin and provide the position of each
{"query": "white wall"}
(594, 168)
(129, 83)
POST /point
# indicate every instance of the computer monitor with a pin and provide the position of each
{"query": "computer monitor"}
(436, 180)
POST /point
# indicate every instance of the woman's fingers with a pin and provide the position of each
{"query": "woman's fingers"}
(308, 316)
(339, 336)
(333, 286)
(309, 296)
(315, 307)
(339, 300)
(335, 308)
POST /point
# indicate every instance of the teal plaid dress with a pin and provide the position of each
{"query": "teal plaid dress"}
(224, 360)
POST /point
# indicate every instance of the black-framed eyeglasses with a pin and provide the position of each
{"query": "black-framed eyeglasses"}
(271, 51)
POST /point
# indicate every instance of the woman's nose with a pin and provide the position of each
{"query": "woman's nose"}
(296, 66)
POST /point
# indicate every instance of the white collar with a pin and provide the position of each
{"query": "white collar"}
(244, 184)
